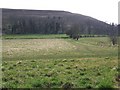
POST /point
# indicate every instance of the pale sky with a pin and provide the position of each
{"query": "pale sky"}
(104, 10)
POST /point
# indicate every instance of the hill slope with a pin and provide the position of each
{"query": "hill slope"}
(48, 21)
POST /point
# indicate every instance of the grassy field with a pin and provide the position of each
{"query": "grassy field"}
(46, 61)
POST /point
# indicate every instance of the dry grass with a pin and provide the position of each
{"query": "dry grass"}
(11, 47)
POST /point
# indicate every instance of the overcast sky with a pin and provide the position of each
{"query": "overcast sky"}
(104, 10)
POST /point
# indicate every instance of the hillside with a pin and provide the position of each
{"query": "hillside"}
(21, 21)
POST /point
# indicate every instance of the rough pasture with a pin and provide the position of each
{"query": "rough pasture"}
(86, 63)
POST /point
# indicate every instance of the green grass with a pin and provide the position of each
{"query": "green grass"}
(34, 36)
(59, 63)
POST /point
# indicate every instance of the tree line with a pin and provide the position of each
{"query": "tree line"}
(57, 25)
(33, 25)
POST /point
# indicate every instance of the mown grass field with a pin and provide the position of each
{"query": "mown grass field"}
(46, 61)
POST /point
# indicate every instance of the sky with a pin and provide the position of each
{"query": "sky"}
(104, 10)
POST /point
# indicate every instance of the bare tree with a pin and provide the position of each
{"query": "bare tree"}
(74, 32)
(113, 34)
